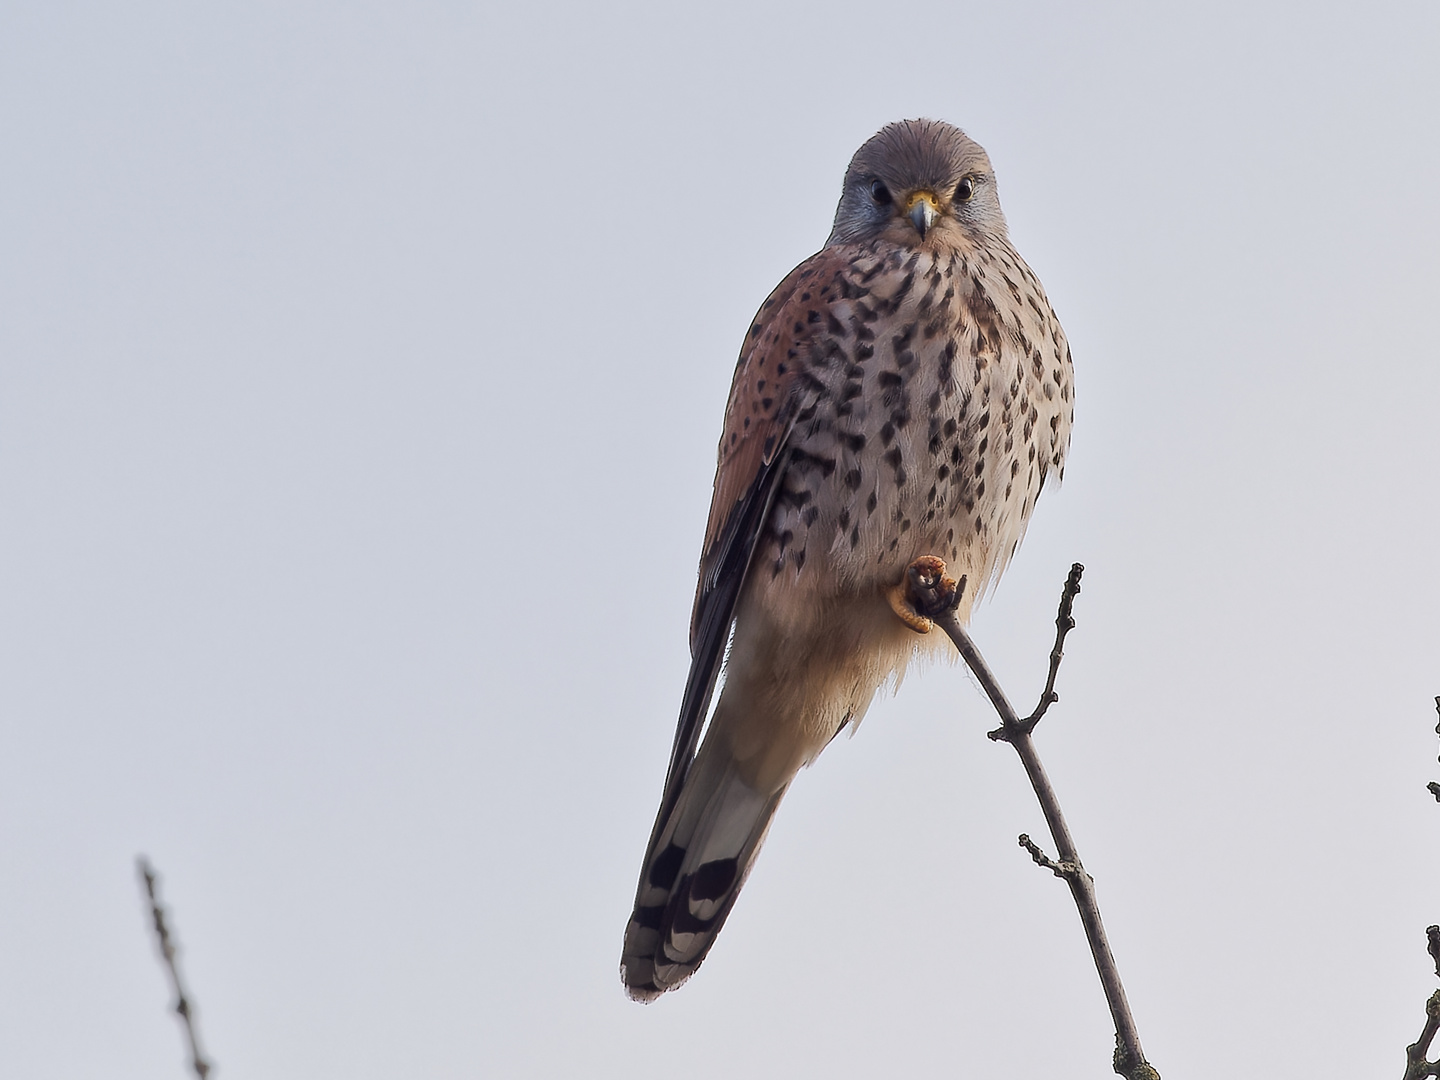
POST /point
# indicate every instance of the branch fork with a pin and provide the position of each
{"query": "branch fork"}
(1065, 870)
(1416, 1067)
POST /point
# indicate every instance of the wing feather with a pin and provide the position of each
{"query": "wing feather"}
(764, 400)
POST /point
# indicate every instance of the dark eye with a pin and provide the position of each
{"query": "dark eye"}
(879, 192)
(964, 190)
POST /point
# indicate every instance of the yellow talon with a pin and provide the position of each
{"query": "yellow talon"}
(899, 598)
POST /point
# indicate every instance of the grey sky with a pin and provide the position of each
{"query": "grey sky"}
(361, 368)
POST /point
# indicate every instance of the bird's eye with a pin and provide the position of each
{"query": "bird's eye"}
(879, 192)
(964, 190)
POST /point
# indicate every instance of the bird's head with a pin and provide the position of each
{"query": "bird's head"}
(919, 183)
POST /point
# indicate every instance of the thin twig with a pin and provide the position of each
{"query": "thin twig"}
(1432, 786)
(1129, 1057)
(1060, 870)
(183, 1006)
(1064, 623)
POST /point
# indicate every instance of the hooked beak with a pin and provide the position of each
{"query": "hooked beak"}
(922, 209)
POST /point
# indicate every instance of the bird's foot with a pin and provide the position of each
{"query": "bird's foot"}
(926, 591)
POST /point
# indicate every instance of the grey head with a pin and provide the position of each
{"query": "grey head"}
(919, 183)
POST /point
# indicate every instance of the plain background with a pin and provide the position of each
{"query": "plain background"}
(361, 368)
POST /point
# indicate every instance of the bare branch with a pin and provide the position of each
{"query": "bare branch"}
(929, 599)
(1416, 1067)
(1433, 787)
(183, 1007)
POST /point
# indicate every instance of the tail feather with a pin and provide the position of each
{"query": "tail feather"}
(699, 857)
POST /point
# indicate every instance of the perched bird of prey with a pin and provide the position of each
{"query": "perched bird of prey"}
(904, 392)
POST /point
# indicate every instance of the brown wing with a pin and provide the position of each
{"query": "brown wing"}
(764, 400)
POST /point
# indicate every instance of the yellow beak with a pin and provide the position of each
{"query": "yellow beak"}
(922, 209)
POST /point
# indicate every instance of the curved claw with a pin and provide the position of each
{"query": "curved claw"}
(899, 597)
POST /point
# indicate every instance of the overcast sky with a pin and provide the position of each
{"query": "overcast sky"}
(361, 371)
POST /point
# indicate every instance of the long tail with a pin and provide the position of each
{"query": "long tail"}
(699, 857)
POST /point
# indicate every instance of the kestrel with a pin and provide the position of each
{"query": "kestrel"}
(904, 392)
